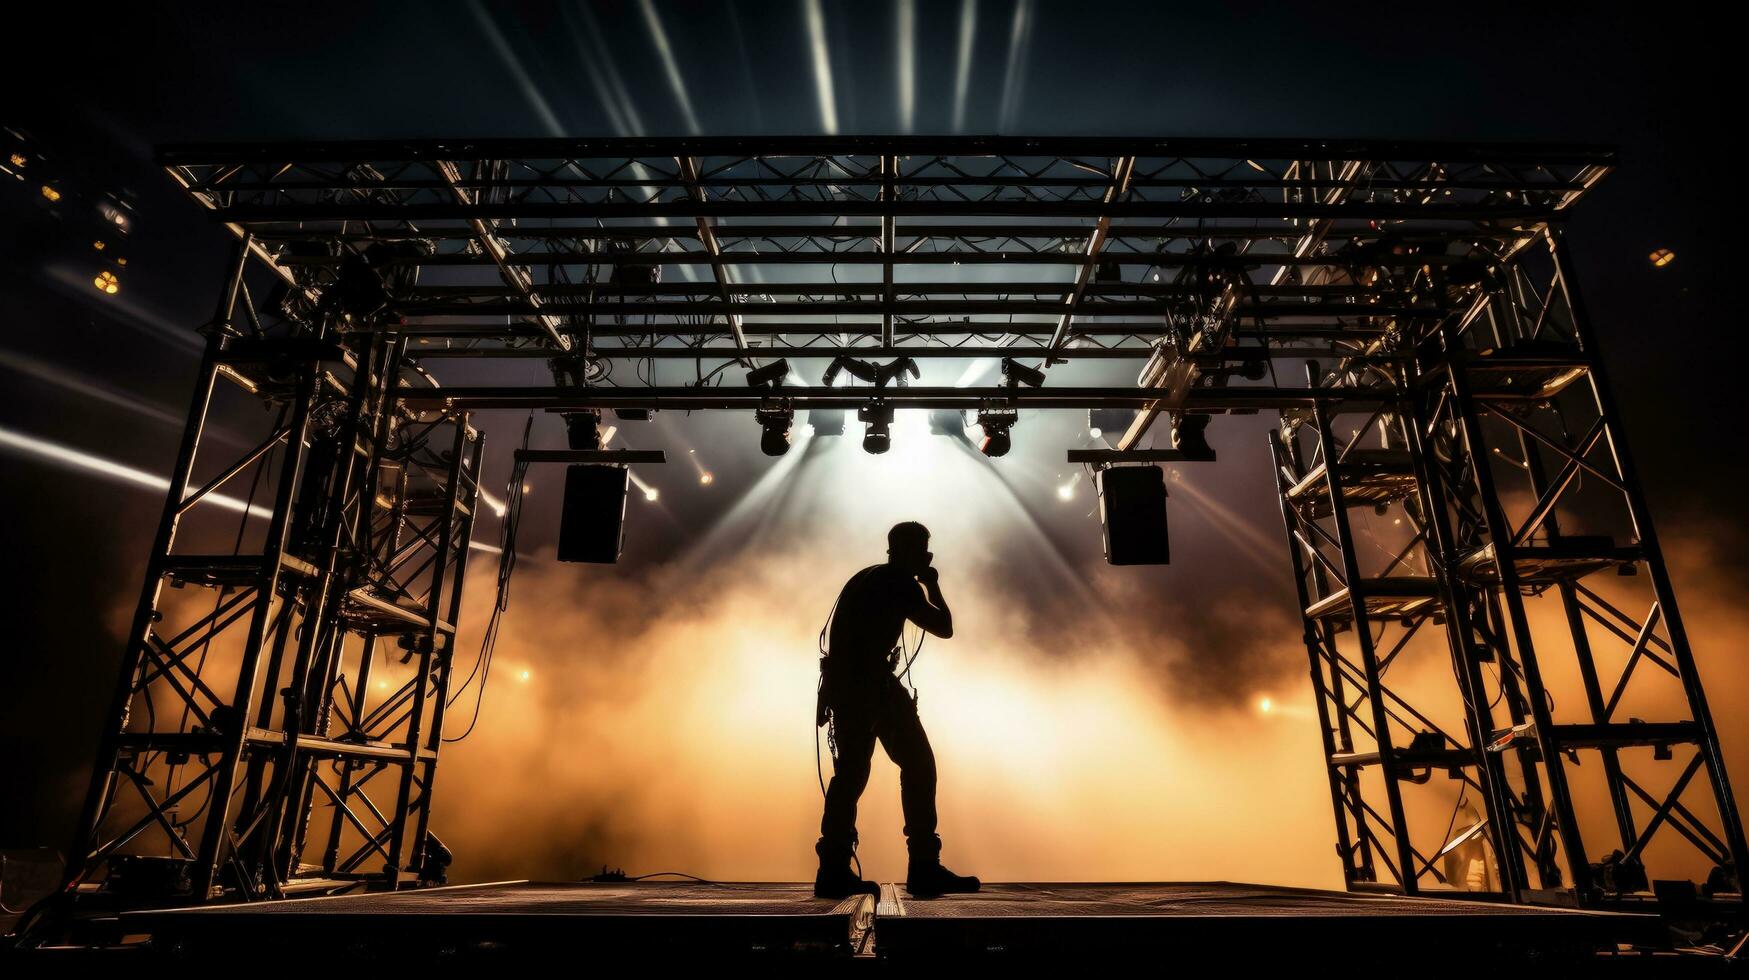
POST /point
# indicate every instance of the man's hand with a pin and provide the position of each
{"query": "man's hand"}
(931, 610)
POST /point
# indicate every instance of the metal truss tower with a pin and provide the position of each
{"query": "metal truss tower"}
(234, 713)
(1487, 614)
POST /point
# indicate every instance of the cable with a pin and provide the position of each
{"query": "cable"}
(506, 564)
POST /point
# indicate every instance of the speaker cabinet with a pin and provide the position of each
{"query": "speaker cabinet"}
(592, 524)
(1132, 509)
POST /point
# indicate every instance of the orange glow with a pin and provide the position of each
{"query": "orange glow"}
(1662, 258)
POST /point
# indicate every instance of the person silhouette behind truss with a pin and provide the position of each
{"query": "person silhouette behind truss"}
(863, 701)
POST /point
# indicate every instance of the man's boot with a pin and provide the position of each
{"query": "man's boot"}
(835, 879)
(927, 878)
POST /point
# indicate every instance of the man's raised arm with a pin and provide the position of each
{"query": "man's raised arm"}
(929, 610)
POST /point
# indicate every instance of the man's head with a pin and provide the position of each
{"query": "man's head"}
(908, 547)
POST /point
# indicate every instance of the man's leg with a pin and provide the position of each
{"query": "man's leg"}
(901, 733)
(855, 738)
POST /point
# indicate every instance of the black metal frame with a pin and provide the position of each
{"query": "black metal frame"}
(244, 707)
(1427, 284)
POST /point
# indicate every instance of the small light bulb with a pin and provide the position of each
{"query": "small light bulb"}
(1066, 492)
(1265, 705)
(650, 494)
(705, 479)
(525, 676)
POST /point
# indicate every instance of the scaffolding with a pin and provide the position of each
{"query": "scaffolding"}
(1462, 516)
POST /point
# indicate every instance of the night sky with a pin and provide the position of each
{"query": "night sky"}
(111, 375)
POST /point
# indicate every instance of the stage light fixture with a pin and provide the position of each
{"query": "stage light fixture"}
(1189, 436)
(996, 425)
(769, 376)
(1662, 258)
(878, 437)
(1018, 374)
(826, 421)
(843, 364)
(50, 194)
(878, 375)
(107, 282)
(583, 430)
(774, 424)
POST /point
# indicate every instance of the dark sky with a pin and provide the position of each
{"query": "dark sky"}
(113, 81)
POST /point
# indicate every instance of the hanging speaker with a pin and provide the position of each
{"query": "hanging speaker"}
(592, 524)
(1132, 508)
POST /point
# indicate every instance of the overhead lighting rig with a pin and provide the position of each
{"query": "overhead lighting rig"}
(997, 417)
(776, 414)
(877, 415)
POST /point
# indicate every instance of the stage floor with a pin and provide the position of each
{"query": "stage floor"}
(1206, 921)
(1185, 921)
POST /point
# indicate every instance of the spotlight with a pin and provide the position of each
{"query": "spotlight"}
(877, 374)
(632, 414)
(860, 370)
(878, 437)
(996, 424)
(769, 376)
(583, 430)
(774, 424)
(50, 194)
(1018, 374)
(1189, 437)
(827, 421)
(651, 494)
(947, 422)
(1662, 258)
(112, 213)
(107, 282)
(705, 478)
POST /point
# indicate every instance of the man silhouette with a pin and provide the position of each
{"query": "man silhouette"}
(863, 700)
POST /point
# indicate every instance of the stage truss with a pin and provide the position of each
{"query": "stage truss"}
(1455, 489)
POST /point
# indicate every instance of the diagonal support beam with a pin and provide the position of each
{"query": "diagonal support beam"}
(707, 235)
(515, 276)
(1120, 186)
